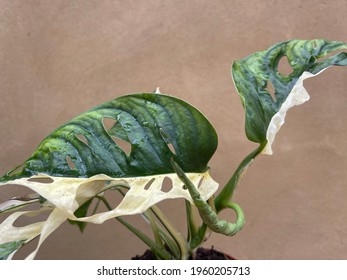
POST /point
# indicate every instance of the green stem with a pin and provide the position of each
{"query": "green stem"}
(149, 216)
(161, 236)
(240, 216)
(223, 198)
(199, 237)
(176, 245)
(203, 232)
(191, 225)
(176, 235)
(157, 249)
(208, 213)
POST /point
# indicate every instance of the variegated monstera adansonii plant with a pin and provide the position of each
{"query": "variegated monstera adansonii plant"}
(75, 167)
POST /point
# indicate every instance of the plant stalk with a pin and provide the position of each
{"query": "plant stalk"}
(224, 197)
(176, 235)
(157, 249)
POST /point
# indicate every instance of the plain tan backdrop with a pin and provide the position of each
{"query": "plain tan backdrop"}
(60, 58)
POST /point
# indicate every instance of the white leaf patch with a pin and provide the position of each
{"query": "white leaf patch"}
(67, 194)
(297, 96)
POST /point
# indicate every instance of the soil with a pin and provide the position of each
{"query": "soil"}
(201, 254)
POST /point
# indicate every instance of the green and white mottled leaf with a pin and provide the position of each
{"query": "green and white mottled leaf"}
(68, 194)
(254, 75)
(150, 123)
(84, 158)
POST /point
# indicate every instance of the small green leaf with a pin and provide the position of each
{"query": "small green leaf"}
(80, 213)
(254, 74)
(6, 249)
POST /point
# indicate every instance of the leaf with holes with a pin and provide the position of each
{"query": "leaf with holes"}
(257, 75)
(125, 143)
(93, 142)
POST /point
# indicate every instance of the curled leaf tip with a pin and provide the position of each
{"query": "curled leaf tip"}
(297, 96)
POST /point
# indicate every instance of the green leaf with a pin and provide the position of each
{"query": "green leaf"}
(6, 249)
(81, 212)
(254, 75)
(157, 127)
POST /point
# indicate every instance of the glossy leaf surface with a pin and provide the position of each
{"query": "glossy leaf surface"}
(125, 143)
(155, 127)
(257, 75)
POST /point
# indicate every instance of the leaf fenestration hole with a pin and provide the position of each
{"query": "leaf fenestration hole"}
(17, 169)
(148, 184)
(114, 197)
(328, 55)
(124, 145)
(167, 140)
(82, 138)
(200, 182)
(167, 185)
(108, 123)
(26, 220)
(271, 90)
(70, 162)
(284, 67)
(172, 148)
(42, 180)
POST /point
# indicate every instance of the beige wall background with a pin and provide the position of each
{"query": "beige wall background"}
(60, 58)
